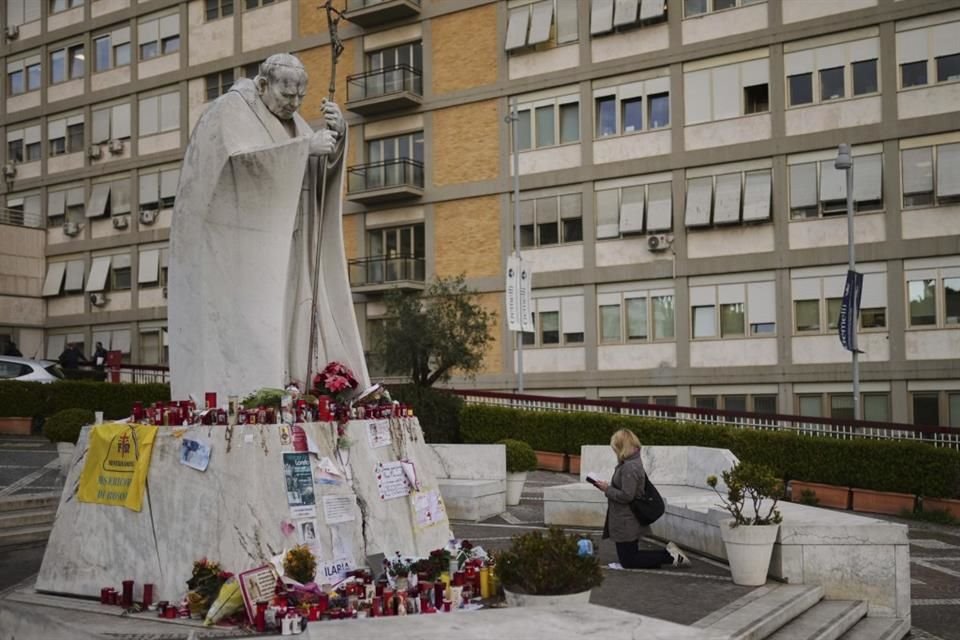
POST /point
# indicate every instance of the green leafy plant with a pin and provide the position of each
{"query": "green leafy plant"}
(300, 564)
(65, 426)
(809, 497)
(438, 411)
(265, 397)
(520, 456)
(749, 483)
(547, 565)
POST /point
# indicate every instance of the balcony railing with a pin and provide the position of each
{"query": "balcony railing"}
(380, 270)
(20, 218)
(372, 13)
(387, 89)
(396, 179)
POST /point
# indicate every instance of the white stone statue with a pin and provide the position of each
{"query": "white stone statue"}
(243, 243)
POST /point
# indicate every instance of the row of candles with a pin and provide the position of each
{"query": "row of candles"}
(185, 412)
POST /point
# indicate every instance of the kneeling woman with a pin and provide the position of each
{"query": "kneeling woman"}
(629, 480)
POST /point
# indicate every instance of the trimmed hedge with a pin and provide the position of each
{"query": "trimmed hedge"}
(438, 411)
(881, 465)
(65, 426)
(33, 399)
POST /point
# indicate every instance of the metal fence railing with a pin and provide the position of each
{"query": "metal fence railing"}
(353, 5)
(399, 172)
(804, 425)
(382, 269)
(384, 82)
(20, 218)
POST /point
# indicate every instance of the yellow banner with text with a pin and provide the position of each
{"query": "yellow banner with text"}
(118, 460)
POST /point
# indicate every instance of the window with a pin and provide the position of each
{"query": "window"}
(255, 4)
(635, 209)
(558, 321)
(926, 408)
(933, 297)
(734, 310)
(831, 83)
(65, 205)
(56, 6)
(820, 189)
(112, 50)
(120, 273)
(929, 54)
(720, 92)
(400, 68)
(551, 220)
(23, 75)
(533, 24)
(21, 12)
(837, 68)
(111, 123)
(110, 197)
(158, 189)
(865, 77)
(23, 145)
(66, 64)
(218, 84)
(66, 277)
(801, 88)
(693, 8)
(635, 316)
(620, 109)
(730, 198)
(817, 299)
(876, 407)
(65, 135)
(218, 9)
(931, 175)
(395, 161)
(607, 15)
(151, 267)
(396, 253)
(159, 36)
(24, 209)
(159, 113)
(545, 123)
(251, 70)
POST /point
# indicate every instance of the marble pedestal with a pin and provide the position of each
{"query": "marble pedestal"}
(472, 479)
(235, 512)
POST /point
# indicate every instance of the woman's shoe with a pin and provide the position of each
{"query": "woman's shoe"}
(680, 559)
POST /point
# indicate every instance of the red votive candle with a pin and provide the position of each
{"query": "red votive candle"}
(210, 399)
(378, 589)
(105, 595)
(127, 601)
(260, 620)
(458, 578)
(137, 411)
(375, 609)
(438, 589)
(323, 601)
(446, 606)
(147, 595)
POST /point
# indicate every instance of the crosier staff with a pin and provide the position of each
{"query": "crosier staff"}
(334, 16)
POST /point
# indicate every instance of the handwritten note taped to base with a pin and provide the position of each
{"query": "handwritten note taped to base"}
(338, 509)
(392, 480)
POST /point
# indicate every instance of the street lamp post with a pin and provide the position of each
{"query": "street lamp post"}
(514, 119)
(844, 162)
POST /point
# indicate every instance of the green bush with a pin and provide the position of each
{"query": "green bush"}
(881, 465)
(520, 456)
(31, 399)
(438, 411)
(64, 426)
(546, 565)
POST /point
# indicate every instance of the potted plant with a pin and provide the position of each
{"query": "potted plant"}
(751, 498)
(520, 460)
(545, 570)
(63, 428)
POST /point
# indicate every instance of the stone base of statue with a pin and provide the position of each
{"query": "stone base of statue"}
(250, 505)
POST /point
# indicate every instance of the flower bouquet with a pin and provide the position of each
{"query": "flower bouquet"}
(204, 585)
(338, 382)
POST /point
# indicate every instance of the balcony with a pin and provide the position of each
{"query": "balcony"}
(374, 13)
(390, 180)
(379, 273)
(373, 92)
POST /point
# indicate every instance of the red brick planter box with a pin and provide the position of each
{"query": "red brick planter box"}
(888, 502)
(828, 495)
(574, 464)
(15, 426)
(550, 461)
(942, 504)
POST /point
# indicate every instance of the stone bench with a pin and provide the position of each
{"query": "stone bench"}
(853, 557)
(472, 479)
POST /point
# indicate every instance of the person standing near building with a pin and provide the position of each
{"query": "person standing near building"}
(628, 481)
(71, 358)
(12, 350)
(99, 356)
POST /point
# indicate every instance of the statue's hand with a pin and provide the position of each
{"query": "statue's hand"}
(334, 117)
(323, 142)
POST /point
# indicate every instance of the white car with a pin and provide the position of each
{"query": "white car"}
(12, 368)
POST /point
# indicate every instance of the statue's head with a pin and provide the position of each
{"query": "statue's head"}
(282, 84)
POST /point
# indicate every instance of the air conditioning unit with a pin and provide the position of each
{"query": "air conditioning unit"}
(116, 146)
(13, 31)
(71, 228)
(148, 216)
(121, 222)
(9, 170)
(95, 152)
(659, 242)
(98, 299)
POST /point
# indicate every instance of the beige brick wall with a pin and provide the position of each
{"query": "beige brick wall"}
(493, 358)
(457, 64)
(313, 19)
(465, 143)
(467, 237)
(317, 63)
(350, 242)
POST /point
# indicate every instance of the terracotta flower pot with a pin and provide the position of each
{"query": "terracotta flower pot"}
(828, 495)
(15, 426)
(574, 463)
(550, 461)
(888, 502)
(942, 504)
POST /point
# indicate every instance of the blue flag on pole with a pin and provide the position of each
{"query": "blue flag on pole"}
(850, 309)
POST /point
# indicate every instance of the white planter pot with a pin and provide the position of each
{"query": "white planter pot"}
(65, 451)
(515, 487)
(749, 548)
(566, 600)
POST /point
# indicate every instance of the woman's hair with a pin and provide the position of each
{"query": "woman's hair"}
(624, 443)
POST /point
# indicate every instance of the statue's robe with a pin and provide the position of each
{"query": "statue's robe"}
(242, 247)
